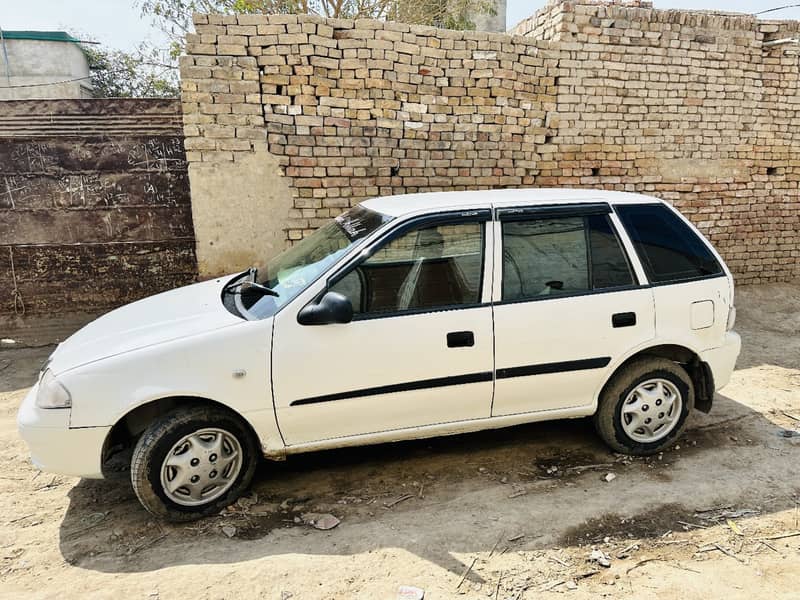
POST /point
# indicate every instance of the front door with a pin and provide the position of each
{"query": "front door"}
(419, 350)
(567, 306)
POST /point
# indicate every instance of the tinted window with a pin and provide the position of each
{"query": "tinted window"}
(425, 268)
(561, 256)
(667, 247)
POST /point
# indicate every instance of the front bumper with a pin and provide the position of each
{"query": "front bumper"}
(722, 360)
(54, 446)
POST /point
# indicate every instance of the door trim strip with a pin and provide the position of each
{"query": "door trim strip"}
(400, 387)
(556, 367)
(481, 377)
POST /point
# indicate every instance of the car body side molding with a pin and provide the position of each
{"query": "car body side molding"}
(399, 387)
(483, 376)
(556, 367)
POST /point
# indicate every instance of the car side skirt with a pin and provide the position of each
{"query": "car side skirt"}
(442, 429)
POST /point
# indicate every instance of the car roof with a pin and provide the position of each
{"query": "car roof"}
(405, 204)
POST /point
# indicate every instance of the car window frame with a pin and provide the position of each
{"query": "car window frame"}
(572, 210)
(483, 216)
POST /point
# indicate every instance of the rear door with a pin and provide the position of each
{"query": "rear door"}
(567, 305)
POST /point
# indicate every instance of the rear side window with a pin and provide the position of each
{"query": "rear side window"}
(668, 248)
(561, 256)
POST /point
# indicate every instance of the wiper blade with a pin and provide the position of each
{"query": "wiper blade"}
(257, 287)
(241, 285)
(241, 279)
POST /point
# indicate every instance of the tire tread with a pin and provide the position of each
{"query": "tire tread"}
(141, 462)
(605, 418)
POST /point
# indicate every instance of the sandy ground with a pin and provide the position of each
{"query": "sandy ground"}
(518, 510)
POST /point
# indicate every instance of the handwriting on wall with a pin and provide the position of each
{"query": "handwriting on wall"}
(94, 153)
(157, 154)
(94, 207)
(94, 172)
(93, 190)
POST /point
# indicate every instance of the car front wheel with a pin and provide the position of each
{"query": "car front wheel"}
(644, 407)
(192, 463)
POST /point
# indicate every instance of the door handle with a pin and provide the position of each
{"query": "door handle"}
(460, 339)
(626, 319)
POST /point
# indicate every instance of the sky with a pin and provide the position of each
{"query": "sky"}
(119, 24)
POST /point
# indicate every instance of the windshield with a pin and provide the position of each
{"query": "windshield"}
(296, 268)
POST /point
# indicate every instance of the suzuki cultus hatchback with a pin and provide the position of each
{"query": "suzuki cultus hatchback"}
(405, 317)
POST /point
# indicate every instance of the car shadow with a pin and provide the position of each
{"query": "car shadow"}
(19, 368)
(26, 342)
(442, 498)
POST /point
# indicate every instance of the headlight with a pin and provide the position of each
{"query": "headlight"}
(51, 393)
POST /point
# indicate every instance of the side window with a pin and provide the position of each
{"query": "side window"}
(561, 256)
(668, 248)
(432, 267)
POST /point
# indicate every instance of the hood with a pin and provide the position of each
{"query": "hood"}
(179, 313)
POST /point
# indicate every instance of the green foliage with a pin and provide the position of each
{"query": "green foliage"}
(118, 74)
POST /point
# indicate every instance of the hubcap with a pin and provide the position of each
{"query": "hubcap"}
(645, 425)
(201, 467)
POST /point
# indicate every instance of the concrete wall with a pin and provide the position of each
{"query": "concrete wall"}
(43, 69)
(94, 204)
(699, 109)
(241, 211)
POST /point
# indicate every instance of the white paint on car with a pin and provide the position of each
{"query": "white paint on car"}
(546, 353)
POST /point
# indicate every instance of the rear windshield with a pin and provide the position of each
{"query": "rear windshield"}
(668, 248)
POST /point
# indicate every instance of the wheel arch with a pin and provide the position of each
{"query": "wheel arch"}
(130, 426)
(698, 370)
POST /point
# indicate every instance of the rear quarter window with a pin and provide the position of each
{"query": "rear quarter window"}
(668, 248)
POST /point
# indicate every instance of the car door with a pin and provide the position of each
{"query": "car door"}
(567, 305)
(419, 349)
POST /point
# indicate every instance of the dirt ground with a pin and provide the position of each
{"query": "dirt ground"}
(514, 513)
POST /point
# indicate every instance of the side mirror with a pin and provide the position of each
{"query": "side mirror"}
(331, 308)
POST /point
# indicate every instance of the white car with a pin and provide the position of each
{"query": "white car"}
(406, 317)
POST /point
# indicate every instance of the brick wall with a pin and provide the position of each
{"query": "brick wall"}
(693, 108)
(698, 109)
(94, 204)
(354, 110)
(552, 20)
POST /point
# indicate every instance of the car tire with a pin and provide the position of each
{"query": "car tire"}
(193, 462)
(644, 407)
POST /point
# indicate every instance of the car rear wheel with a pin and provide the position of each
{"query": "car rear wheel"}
(193, 462)
(644, 407)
